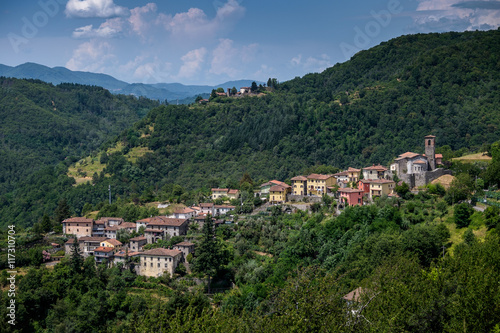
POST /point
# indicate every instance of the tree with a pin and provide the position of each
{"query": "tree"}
(246, 179)
(491, 215)
(62, 211)
(210, 254)
(254, 87)
(402, 189)
(198, 98)
(123, 235)
(233, 91)
(462, 214)
(76, 257)
(461, 188)
(46, 223)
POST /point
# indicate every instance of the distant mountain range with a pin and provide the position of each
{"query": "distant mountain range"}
(172, 92)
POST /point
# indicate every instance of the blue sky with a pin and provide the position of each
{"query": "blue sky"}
(210, 42)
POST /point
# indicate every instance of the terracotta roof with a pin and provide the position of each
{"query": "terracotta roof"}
(376, 168)
(92, 239)
(185, 210)
(318, 176)
(408, 154)
(429, 136)
(123, 254)
(146, 220)
(299, 178)
(355, 295)
(353, 170)
(127, 225)
(114, 242)
(338, 174)
(161, 252)
(78, 220)
(167, 221)
(224, 206)
(349, 190)
(70, 241)
(206, 205)
(420, 162)
(438, 155)
(381, 181)
(99, 222)
(138, 238)
(103, 249)
(277, 182)
(153, 230)
(184, 244)
(112, 228)
(233, 191)
(277, 188)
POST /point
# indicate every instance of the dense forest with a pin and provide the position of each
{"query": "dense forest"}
(368, 110)
(44, 124)
(426, 262)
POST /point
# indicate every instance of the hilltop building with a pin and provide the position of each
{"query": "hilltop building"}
(419, 169)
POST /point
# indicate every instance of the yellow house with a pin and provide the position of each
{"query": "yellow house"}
(353, 174)
(318, 185)
(233, 194)
(381, 187)
(225, 192)
(277, 194)
(299, 185)
(111, 242)
(219, 193)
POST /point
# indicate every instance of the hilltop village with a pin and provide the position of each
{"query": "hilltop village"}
(350, 188)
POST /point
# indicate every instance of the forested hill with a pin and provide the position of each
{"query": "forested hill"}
(42, 124)
(367, 110)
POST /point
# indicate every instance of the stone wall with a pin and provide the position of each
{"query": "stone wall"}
(423, 178)
(300, 198)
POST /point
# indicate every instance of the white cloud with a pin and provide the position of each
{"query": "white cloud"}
(91, 56)
(110, 28)
(312, 64)
(195, 23)
(230, 60)
(94, 8)
(445, 15)
(192, 62)
(296, 60)
(317, 64)
(141, 18)
(155, 71)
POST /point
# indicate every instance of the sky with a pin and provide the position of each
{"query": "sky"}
(214, 41)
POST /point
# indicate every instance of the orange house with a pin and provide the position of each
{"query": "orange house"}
(351, 196)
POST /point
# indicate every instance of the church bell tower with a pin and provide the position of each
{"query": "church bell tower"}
(430, 151)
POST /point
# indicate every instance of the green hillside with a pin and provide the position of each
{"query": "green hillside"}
(44, 124)
(368, 110)
(398, 92)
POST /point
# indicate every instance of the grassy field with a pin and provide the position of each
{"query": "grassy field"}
(473, 158)
(83, 170)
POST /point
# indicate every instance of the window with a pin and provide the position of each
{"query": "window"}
(158, 265)
(144, 264)
(151, 264)
(429, 142)
(170, 259)
(166, 265)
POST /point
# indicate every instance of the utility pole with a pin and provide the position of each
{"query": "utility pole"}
(109, 190)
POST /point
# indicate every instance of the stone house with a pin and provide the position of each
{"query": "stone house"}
(157, 261)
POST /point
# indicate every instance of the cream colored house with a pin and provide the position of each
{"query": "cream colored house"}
(299, 185)
(157, 261)
(78, 226)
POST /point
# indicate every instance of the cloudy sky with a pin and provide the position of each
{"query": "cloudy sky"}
(213, 41)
